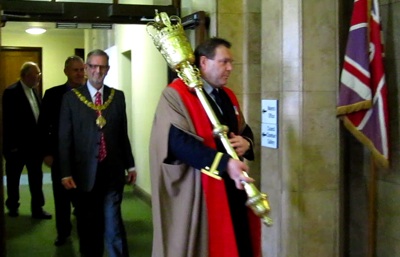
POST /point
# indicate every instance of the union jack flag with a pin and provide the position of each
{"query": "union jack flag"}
(362, 103)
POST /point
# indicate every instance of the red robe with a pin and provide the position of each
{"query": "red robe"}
(220, 239)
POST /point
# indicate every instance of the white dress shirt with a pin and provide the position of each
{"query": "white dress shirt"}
(32, 100)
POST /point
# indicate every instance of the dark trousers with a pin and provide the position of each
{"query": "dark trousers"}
(62, 202)
(239, 213)
(99, 219)
(15, 163)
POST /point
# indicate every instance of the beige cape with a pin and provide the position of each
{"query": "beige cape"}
(179, 210)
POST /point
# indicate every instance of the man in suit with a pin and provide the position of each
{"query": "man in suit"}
(48, 122)
(21, 143)
(95, 152)
(206, 214)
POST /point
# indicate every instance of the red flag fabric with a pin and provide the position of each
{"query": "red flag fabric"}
(362, 103)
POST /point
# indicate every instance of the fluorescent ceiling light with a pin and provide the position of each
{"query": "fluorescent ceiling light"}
(101, 26)
(61, 25)
(35, 31)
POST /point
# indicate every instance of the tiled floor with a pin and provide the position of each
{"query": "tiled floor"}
(34, 238)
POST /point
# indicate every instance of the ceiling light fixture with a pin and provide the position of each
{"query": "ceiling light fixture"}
(64, 25)
(101, 26)
(35, 31)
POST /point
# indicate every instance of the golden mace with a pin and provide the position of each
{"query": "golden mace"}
(171, 41)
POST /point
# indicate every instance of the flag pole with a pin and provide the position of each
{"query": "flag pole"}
(372, 179)
(372, 210)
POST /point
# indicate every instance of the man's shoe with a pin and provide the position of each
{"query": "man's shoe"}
(43, 215)
(13, 213)
(60, 240)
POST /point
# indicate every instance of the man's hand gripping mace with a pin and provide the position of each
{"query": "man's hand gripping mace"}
(171, 41)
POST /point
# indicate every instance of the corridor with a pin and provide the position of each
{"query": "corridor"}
(27, 237)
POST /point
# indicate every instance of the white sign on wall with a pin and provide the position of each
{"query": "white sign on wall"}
(269, 123)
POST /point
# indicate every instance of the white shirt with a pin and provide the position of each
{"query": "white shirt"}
(32, 100)
(93, 91)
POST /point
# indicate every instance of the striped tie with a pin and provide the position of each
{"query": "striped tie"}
(102, 148)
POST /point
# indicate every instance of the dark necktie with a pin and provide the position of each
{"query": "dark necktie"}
(227, 117)
(217, 98)
(102, 148)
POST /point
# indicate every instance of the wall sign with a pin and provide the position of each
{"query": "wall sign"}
(269, 123)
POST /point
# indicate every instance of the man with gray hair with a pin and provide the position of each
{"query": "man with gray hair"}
(96, 159)
(74, 69)
(21, 140)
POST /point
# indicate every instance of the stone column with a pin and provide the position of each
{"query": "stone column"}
(300, 69)
(238, 21)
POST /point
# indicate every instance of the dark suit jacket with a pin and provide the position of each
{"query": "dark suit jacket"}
(79, 138)
(49, 118)
(20, 130)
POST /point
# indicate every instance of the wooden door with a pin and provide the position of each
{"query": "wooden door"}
(11, 60)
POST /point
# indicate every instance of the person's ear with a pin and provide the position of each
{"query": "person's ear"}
(203, 61)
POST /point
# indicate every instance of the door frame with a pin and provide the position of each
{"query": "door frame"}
(39, 50)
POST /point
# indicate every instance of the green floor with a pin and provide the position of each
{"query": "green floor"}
(34, 238)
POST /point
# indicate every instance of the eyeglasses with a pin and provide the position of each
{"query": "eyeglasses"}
(224, 61)
(94, 66)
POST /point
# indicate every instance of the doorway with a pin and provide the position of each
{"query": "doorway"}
(11, 60)
(47, 74)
